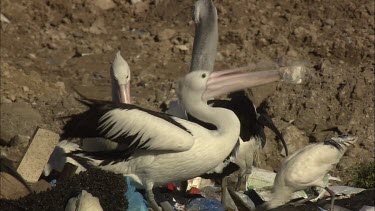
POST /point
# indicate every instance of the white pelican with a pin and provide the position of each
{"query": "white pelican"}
(308, 167)
(120, 80)
(120, 88)
(252, 136)
(155, 148)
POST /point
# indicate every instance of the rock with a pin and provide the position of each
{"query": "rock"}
(31, 56)
(18, 119)
(141, 7)
(11, 188)
(104, 4)
(20, 141)
(292, 53)
(166, 34)
(25, 88)
(294, 138)
(180, 49)
(41, 186)
(37, 155)
(5, 100)
(60, 85)
(135, 1)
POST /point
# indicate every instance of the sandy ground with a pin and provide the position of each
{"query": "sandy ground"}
(51, 48)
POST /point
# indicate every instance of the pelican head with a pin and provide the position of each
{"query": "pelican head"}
(120, 79)
(202, 85)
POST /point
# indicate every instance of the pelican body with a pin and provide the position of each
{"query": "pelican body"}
(308, 167)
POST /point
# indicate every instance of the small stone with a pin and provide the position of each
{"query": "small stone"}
(135, 1)
(25, 88)
(166, 34)
(60, 85)
(5, 100)
(180, 49)
(292, 53)
(52, 46)
(329, 22)
(31, 56)
(104, 4)
(12, 97)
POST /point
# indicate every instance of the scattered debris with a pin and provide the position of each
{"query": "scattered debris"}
(4, 19)
(37, 155)
(205, 204)
(104, 4)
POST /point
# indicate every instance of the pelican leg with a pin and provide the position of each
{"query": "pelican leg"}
(332, 194)
(240, 204)
(224, 191)
(239, 182)
(151, 199)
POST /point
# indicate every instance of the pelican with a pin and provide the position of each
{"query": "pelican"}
(308, 167)
(155, 148)
(120, 88)
(252, 136)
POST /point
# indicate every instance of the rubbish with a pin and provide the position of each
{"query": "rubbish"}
(135, 199)
(293, 74)
(83, 202)
(261, 181)
(4, 19)
(37, 155)
(343, 191)
(367, 208)
(203, 204)
(198, 183)
(241, 200)
(211, 192)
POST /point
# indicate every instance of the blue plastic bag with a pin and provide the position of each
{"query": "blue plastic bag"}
(205, 204)
(135, 199)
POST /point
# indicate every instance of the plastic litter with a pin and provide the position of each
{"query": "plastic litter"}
(293, 74)
(367, 208)
(261, 181)
(135, 199)
(203, 204)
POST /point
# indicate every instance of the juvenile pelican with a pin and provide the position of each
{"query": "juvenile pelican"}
(308, 167)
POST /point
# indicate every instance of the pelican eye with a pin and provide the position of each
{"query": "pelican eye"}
(127, 76)
(204, 75)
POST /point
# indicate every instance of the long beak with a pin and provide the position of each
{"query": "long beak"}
(124, 93)
(224, 82)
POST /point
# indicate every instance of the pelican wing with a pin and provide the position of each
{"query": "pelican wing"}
(129, 125)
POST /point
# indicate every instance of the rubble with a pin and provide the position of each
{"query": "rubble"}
(37, 155)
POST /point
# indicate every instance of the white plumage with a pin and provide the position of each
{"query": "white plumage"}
(85, 201)
(308, 167)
